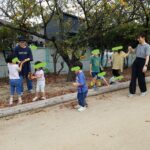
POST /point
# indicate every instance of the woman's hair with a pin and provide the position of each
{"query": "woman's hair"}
(143, 35)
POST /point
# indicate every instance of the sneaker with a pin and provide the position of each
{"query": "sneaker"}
(95, 88)
(81, 109)
(77, 106)
(43, 98)
(131, 95)
(11, 101)
(143, 94)
(30, 91)
(34, 99)
(19, 100)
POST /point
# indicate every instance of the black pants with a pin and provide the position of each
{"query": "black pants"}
(137, 73)
(115, 73)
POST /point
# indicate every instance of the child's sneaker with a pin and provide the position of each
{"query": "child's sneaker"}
(34, 99)
(19, 100)
(95, 88)
(11, 101)
(143, 94)
(81, 109)
(43, 98)
(30, 91)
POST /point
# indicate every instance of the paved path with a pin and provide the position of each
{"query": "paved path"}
(112, 122)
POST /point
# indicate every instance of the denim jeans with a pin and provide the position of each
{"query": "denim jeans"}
(29, 83)
(81, 98)
(15, 85)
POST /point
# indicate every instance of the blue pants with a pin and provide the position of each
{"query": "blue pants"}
(15, 85)
(29, 83)
(81, 98)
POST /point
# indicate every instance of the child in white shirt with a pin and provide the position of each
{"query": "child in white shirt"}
(40, 85)
(14, 67)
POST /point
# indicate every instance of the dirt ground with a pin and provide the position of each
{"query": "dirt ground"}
(112, 122)
(55, 86)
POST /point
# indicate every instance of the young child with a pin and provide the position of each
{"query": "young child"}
(117, 62)
(81, 87)
(40, 85)
(95, 68)
(15, 83)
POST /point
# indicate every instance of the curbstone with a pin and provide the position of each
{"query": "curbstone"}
(60, 99)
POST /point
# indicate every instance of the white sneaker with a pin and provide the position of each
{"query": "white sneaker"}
(81, 109)
(143, 94)
(131, 95)
(19, 100)
(30, 91)
(11, 101)
(77, 106)
(35, 98)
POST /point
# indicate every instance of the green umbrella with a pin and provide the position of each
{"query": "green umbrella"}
(15, 60)
(101, 74)
(117, 48)
(76, 68)
(39, 65)
(33, 47)
(95, 51)
(119, 78)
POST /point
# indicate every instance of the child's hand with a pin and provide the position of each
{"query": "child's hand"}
(27, 59)
(75, 84)
(90, 72)
(129, 48)
(31, 76)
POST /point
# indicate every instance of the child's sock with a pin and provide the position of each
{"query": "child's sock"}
(11, 100)
(19, 100)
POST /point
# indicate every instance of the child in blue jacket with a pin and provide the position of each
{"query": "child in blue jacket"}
(81, 85)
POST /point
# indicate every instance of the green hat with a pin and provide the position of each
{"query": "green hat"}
(33, 47)
(101, 74)
(39, 65)
(15, 60)
(76, 68)
(117, 48)
(96, 52)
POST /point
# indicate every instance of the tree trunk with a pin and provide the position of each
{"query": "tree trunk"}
(70, 76)
(55, 67)
(70, 62)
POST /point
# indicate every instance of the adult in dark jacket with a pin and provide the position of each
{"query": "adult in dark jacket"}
(22, 51)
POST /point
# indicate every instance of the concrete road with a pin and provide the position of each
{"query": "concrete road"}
(112, 122)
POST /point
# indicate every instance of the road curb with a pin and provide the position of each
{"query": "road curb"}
(60, 99)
